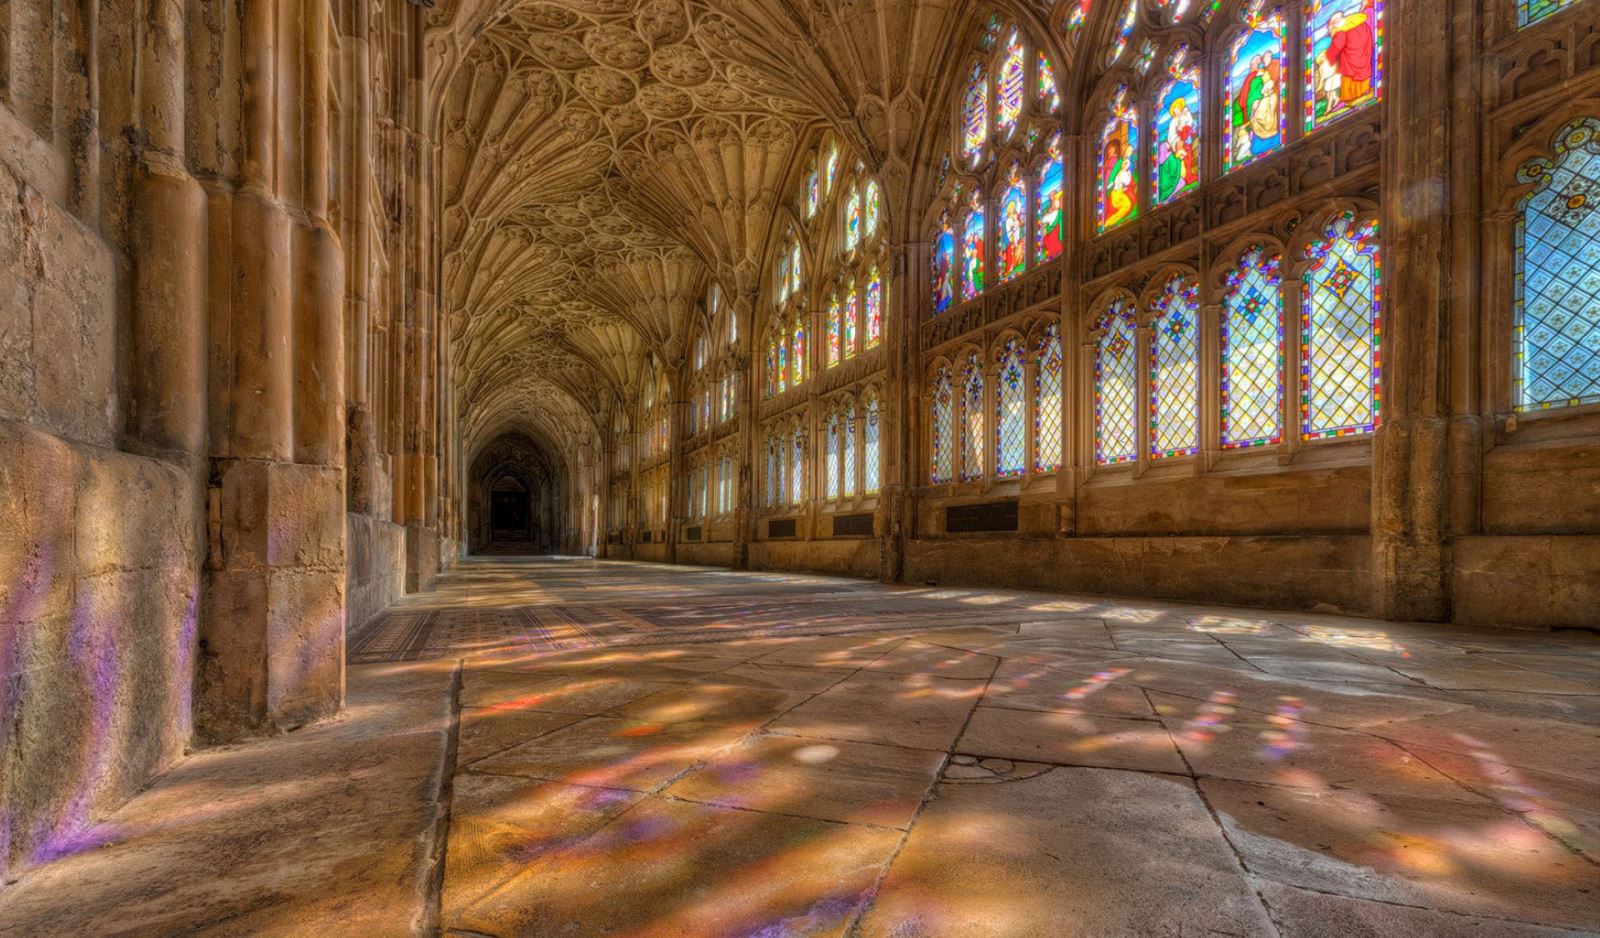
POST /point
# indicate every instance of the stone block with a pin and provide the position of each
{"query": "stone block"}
(38, 500)
(305, 646)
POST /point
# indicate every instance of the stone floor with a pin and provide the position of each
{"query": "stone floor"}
(563, 747)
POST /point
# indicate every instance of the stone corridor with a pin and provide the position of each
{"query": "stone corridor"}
(569, 747)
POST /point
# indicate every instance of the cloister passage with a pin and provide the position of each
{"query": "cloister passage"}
(562, 746)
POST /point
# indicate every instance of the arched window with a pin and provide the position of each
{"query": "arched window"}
(797, 349)
(1177, 129)
(1011, 228)
(1175, 370)
(1119, 45)
(1008, 87)
(872, 205)
(852, 219)
(847, 472)
(1532, 11)
(972, 418)
(1252, 351)
(1011, 409)
(1117, 184)
(874, 308)
(942, 392)
(835, 330)
(831, 470)
(1116, 384)
(813, 188)
(1253, 111)
(1343, 57)
(975, 116)
(1076, 14)
(972, 249)
(797, 463)
(1047, 402)
(944, 262)
(1557, 289)
(1339, 332)
(775, 451)
(870, 432)
(1050, 208)
(852, 316)
(1049, 93)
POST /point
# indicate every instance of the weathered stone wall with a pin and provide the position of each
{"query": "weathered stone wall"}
(376, 575)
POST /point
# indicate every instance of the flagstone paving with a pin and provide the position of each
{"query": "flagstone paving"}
(563, 747)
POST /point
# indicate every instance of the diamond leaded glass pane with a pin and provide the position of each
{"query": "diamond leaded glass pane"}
(1011, 410)
(1175, 370)
(943, 393)
(870, 448)
(1339, 333)
(1116, 382)
(832, 458)
(1252, 356)
(1047, 407)
(972, 418)
(848, 429)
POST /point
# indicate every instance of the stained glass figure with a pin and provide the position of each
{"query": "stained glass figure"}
(1117, 185)
(1116, 385)
(1557, 289)
(1011, 409)
(1532, 11)
(1050, 209)
(852, 219)
(874, 208)
(831, 473)
(944, 263)
(1343, 57)
(1252, 109)
(852, 319)
(942, 393)
(1011, 228)
(972, 418)
(797, 360)
(972, 251)
(835, 331)
(975, 117)
(1175, 370)
(1177, 130)
(1047, 403)
(813, 189)
(1252, 351)
(847, 426)
(797, 463)
(1119, 45)
(1009, 86)
(1339, 332)
(870, 432)
(1046, 89)
(874, 308)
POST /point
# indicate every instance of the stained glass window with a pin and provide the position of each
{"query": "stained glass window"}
(813, 189)
(944, 429)
(830, 167)
(1177, 129)
(874, 208)
(1532, 11)
(1557, 288)
(797, 360)
(1116, 385)
(972, 418)
(832, 458)
(1175, 9)
(797, 464)
(835, 331)
(1008, 89)
(874, 308)
(852, 319)
(848, 428)
(1117, 188)
(775, 446)
(972, 251)
(1050, 210)
(1252, 108)
(1011, 228)
(1252, 352)
(775, 361)
(1048, 92)
(1339, 326)
(795, 277)
(944, 263)
(1147, 54)
(1047, 403)
(975, 117)
(869, 438)
(1343, 57)
(1119, 45)
(852, 220)
(1175, 370)
(1076, 14)
(1011, 410)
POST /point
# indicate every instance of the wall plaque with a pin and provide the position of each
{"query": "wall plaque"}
(989, 516)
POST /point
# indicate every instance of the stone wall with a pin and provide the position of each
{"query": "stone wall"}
(376, 575)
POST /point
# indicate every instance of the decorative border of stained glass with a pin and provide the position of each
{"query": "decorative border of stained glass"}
(1340, 380)
(1260, 272)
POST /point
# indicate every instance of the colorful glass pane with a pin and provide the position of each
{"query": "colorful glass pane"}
(848, 470)
(832, 456)
(835, 331)
(797, 464)
(972, 251)
(1252, 352)
(944, 416)
(776, 360)
(1532, 11)
(975, 117)
(795, 278)
(1175, 370)
(813, 189)
(1076, 14)
(1047, 403)
(1119, 45)
(1011, 410)
(852, 220)
(1147, 54)
(775, 445)
(1177, 131)
(874, 308)
(830, 167)
(1339, 333)
(869, 438)
(874, 208)
(852, 320)
(1116, 386)
(1253, 114)
(1050, 210)
(1343, 57)
(1117, 185)
(1011, 228)
(797, 360)
(1008, 89)
(1048, 92)
(1557, 289)
(944, 264)
(972, 418)
(1175, 9)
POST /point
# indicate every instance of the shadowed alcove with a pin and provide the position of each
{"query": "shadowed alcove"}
(515, 503)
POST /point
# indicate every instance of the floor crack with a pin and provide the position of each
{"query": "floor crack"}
(439, 837)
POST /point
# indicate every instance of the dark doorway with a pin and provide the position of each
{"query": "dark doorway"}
(508, 513)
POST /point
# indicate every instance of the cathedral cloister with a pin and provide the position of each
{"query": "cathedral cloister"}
(800, 467)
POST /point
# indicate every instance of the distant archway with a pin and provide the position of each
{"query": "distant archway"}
(514, 504)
